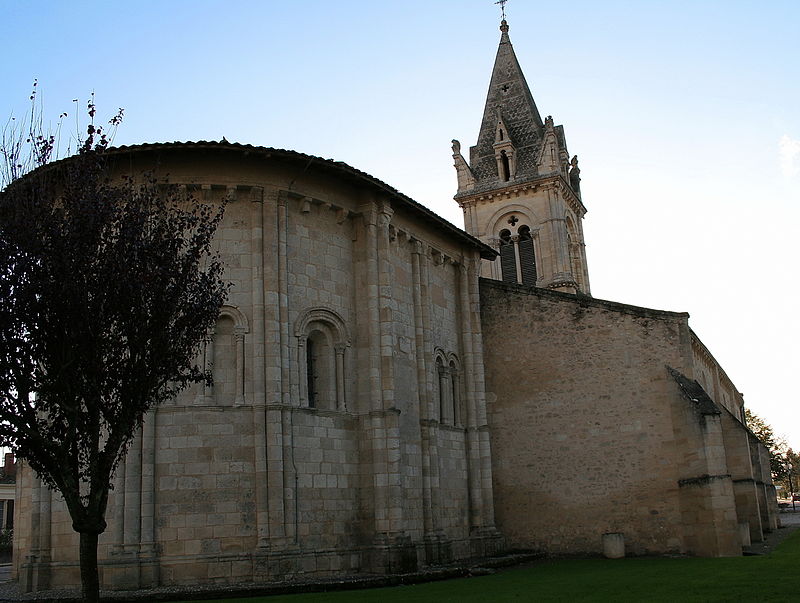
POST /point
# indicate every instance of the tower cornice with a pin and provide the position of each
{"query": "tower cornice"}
(521, 189)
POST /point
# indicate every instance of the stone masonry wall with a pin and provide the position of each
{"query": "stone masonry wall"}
(580, 409)
(340, 460)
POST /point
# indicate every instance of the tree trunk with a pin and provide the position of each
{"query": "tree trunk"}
(90, 581)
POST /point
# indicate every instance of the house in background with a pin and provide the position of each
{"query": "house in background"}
(8, 480)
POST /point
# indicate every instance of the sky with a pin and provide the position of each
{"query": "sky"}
(685, 117)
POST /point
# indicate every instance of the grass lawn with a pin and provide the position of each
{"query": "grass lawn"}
(773, 577)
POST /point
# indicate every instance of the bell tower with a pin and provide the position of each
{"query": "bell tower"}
(520, 192)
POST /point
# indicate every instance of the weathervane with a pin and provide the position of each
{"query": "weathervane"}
(502, 4)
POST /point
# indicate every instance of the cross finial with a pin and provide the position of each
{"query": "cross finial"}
(502, 4)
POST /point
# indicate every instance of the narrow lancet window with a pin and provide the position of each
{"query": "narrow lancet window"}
(506, 166)
(311, 372)
(456, 394)
(441, 373)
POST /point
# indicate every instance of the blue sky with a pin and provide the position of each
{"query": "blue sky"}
(684, 116)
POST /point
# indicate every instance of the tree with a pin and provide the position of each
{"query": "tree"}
(783, 461)
(789, 478)
(108, 289)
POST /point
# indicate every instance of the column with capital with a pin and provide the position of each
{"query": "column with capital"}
(238, 336)
(472, 445)
(429, 426)
(479, 383)
(339, 349)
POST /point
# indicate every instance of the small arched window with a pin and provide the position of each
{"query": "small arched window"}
(449, 390)
(223, 356)
(223, 368)
(322, 341)
(320, 371)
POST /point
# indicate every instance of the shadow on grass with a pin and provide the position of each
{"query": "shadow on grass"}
(769, 578)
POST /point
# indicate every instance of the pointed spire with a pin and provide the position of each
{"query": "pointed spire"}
(508, 100)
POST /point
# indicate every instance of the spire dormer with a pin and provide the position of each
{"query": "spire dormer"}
(504, 151)
(519, 191)
(510, 118)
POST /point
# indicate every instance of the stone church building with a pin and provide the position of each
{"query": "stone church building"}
(391, 391)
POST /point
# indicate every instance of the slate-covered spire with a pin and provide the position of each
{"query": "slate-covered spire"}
(511, 154)
(519, 192)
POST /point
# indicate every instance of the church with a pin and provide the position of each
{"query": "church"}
(392, 392)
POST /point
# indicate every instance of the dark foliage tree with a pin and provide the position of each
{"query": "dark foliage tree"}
(108, 289)
(777, 448)
(792, 473)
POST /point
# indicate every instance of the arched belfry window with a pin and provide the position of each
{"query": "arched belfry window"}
(322, 341)
(508, 257)
(527, 258)
(517, 255)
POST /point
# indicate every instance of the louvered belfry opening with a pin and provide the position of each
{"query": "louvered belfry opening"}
(508, 260)
(517, 257)
(527, 258)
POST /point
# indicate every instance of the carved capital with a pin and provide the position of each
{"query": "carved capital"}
(385, 213)
(257, 194)
(369, 213)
